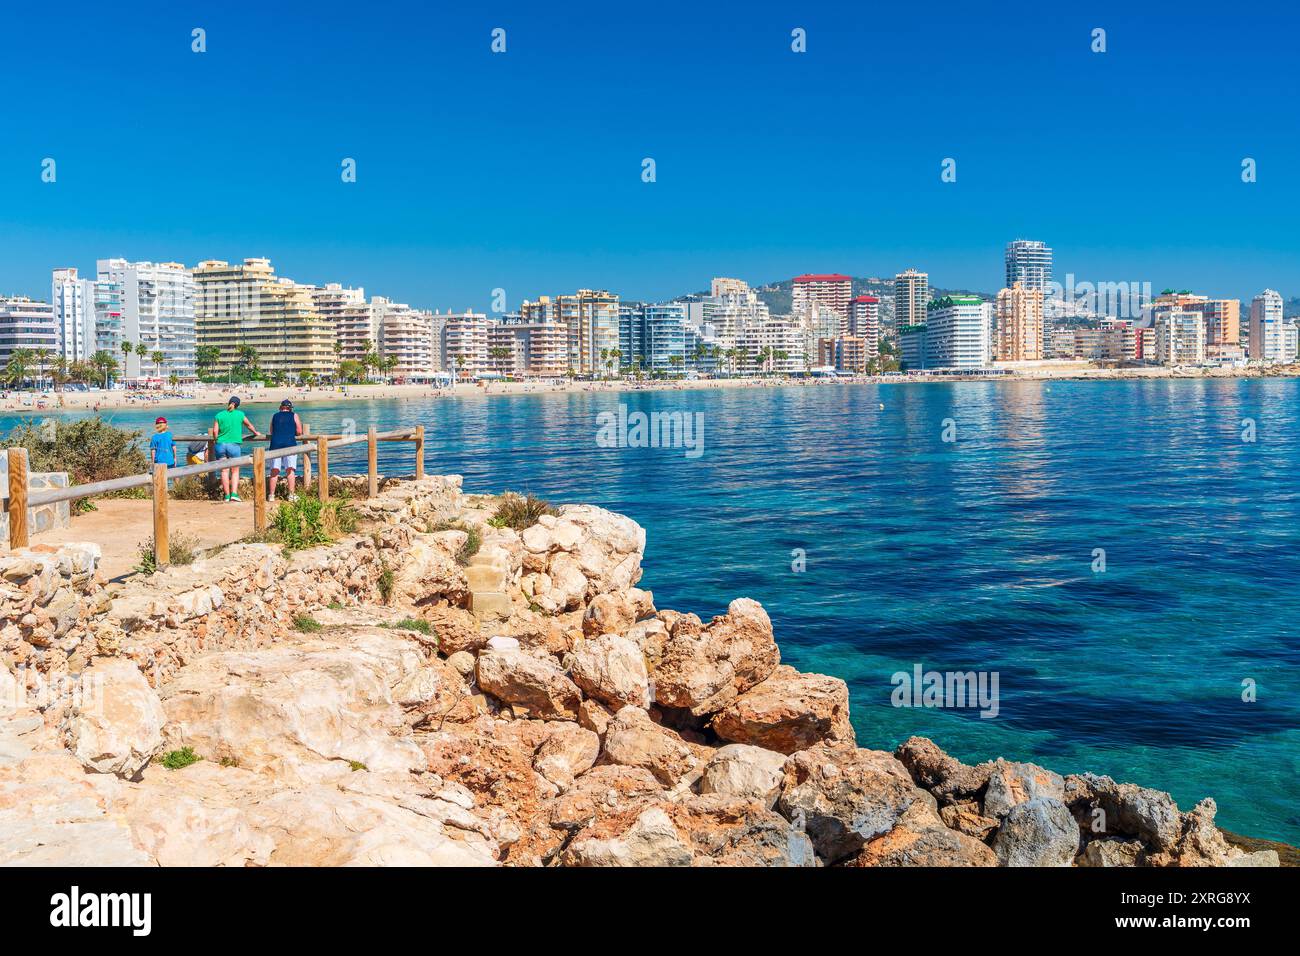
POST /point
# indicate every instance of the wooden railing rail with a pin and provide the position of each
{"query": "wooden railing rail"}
(21, 498)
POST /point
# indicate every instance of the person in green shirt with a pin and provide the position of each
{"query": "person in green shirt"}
(228, 430)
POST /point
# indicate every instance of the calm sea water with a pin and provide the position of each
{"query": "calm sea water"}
(975, 554)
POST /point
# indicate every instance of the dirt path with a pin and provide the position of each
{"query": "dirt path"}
(121, 525)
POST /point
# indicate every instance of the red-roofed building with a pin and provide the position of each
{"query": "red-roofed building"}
(831, 290)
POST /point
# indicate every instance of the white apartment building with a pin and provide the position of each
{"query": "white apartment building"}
(74, 314)
(1180, 337)
(405, 335)
(1272, 339)
(157, 311)
(831, 290)
(354, 322)
(1029, 262)
(784, 336)
(959, 332)
(27, 324)
(464, 343)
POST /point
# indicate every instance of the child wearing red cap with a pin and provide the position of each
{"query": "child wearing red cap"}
(162, 447)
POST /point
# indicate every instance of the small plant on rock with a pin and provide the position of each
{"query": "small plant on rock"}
(519, 511)
(308, 625)
(180, 759)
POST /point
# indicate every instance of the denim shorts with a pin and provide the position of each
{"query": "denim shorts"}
(229, 450)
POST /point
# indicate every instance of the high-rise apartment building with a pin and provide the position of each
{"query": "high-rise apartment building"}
(592, 319)
(829, 289)
(721, 286)
(464, 343)
(72, 299)
(959, 332)
(158, 301)
(405, 338)
(1272, 339)
(1029, 262)
(1019, 325)
(783, 338)
(355, 323)
(27, 324)
(246, 306)
(1180, 337)
(911, 298)
(864, 324)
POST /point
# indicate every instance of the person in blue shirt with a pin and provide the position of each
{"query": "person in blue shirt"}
(286, 426)
(162, 448)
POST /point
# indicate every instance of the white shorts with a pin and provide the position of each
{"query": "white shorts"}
(286, 464)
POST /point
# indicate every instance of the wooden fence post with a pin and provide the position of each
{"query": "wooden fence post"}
(306, 458)
(419, 452)
(323, 468)
(161, 537)
(373, 461)
(259, 489)
(17, 497)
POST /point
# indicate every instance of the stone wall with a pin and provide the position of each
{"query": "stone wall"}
(43, 517)
(55, 614)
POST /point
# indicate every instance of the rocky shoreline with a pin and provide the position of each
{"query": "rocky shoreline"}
(521, 703)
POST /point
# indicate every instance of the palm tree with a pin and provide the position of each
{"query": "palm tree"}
(104, 363)
(206, 356)
(616, 356)
(127, 351)
(43, 361)
(59, 373)
(158, 359)
(675, 361)
(20, 364)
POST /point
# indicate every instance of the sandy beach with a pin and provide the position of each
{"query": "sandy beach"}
(49, 400)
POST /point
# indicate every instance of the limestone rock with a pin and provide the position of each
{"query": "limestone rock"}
(534, 682)
(116, 725)
(1130, 810)
(570, 750)
(651, 840)
(1111, 851)
(920, 839)
(845, 797)
(1011, 784)
(787, 712)
(704, 668)
(740, 770)
(1039, 832)
(634, 740)
(611, 669)
(599, 792)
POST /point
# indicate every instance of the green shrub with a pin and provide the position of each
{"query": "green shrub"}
(88, 449)
(180, 759)
(308, 625)
(387, 581)
(182, 550)
(473, 540)
(309, 521)
(410, 624)
(519, 511)
(357, 765)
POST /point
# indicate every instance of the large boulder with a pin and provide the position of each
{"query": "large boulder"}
(1011, 784)
(1126, 809)
(600, 792)
(845, 797)
(296, 704)
(530, 681)
(946, 777)
(921, 839)
(739, 770)
(787, 712)
(115, 724)
(704, 668)
(612, 670)
(711, 830)
(1039, 832)
(567, 752)
(634, 740)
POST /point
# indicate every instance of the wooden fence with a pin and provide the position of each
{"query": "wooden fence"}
(20, 499)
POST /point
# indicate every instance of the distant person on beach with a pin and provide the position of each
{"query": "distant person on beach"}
(286, 426)
(228, 430)
(162, 447)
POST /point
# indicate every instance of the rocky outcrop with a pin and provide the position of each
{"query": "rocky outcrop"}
(545, 713)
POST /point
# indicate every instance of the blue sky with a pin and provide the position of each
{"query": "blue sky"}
(522, 170)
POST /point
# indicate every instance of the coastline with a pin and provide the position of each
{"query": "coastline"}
(207, 395)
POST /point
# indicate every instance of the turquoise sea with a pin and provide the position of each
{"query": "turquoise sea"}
(976, 554)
